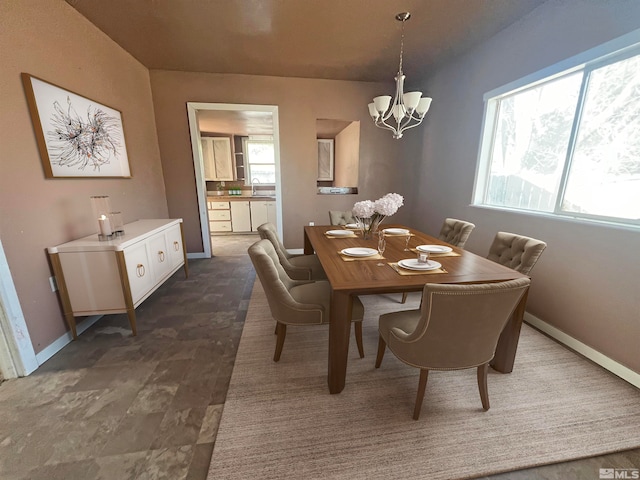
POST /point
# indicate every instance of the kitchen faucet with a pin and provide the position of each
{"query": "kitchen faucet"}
(253, 186)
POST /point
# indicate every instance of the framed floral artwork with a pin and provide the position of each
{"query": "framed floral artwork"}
(77, 137)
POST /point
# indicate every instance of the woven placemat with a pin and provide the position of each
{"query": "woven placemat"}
(404, 271)
(347, 258)
(341, 236)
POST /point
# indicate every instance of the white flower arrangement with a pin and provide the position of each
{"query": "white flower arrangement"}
(371, 214)
(385, 206)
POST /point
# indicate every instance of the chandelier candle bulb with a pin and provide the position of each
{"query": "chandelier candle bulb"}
(101, 211)
(105, 225)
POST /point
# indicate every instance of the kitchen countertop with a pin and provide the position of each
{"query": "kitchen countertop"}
(226, 198)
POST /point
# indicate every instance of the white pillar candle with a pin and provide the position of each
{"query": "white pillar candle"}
(105, 225)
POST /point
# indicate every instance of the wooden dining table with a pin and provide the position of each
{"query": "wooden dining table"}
(365, 276)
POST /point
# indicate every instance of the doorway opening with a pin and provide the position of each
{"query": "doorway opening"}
(227, 184)
(17, 357)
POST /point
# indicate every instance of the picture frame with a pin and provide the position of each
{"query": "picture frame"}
(77, 137)
(325, 159)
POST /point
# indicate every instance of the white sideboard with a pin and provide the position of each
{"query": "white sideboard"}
(115, 276)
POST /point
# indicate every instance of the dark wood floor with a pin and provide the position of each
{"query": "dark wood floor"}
(113, 406)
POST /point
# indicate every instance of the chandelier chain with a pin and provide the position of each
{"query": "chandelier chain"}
(401, 48)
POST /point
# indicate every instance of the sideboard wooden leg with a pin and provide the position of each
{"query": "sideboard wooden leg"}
(63, 293)
(131, 313)
(126, 291)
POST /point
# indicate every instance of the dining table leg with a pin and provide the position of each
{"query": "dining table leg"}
(308, 248)
(339, 331)
(508, 342)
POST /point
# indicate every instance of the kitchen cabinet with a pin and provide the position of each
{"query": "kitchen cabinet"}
(238, 148)
(262, 211)
(240, 216)
(217, 159)
(219, 216)
(115, 276)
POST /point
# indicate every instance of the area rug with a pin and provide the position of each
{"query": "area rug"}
(280, 422)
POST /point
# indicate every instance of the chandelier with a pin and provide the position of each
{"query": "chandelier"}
(408, 109)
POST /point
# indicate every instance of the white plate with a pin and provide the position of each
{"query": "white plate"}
(359, 252)
(396, 231)
(412, 264)
(351, 225)
(434, 248)
(339, 233)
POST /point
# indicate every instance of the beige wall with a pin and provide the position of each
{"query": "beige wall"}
(586, 282)
(300, 103)
(49, 39)
(433, 166)
(347, 161)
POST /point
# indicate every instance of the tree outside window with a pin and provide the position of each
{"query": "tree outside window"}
(568, 145)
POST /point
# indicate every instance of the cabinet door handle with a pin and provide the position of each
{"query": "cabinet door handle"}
(176, 246)
(161, 256)
(140, 271)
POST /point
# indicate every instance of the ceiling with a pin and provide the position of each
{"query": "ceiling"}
(235, 122)
(332, 39)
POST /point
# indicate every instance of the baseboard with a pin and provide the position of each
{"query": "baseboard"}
(65, 339)
(296, 251)
(196, 255)
(609, 364)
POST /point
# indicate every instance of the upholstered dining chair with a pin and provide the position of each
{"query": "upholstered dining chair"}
(455, 232)
(337, 217)
(456, 327)
(516, 251)
(296, 302)
(298, 267)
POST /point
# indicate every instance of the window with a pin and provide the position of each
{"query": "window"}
(260, 161)
(568, 144)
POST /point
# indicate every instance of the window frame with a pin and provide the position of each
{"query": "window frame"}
(616, 50)
(264, 139)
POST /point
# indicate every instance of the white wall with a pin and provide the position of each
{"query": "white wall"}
(587, 281)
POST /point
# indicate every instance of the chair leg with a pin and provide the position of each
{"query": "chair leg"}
(357, 327)
(281, 329)
(404, 297)
(422, 385)
(382, 345)
(482, 385)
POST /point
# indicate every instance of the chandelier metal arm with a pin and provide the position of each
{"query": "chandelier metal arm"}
(397, 130)
(406, 126)
(397, 99)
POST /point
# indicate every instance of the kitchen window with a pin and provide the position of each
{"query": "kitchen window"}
(260, 161)
(567, 143)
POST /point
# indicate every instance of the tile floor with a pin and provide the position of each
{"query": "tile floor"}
(112, 406)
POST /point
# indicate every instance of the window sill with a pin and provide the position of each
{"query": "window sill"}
(562, 218)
